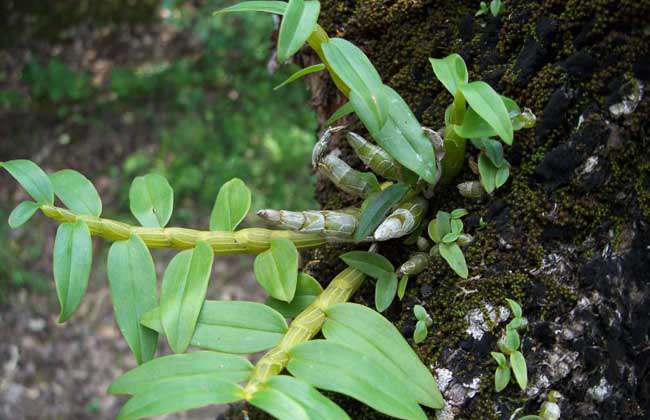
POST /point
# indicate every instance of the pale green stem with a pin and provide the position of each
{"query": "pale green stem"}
(304, 327)
(243, 241)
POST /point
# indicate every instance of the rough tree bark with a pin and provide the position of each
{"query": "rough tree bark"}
(568, 236)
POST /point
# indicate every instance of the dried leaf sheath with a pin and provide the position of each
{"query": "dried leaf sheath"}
(334, 224)
(304, 326)
(244, 241)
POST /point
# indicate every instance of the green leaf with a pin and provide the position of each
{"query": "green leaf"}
(307, 290)
(458, 213)
(369, 263)
(301, 73)
(336, 367)
(489, 106)
(455, 258)
(32, 179)
(495, 7)
(515, 308)
(475, 127)
(420, 332)
(297, 24)
(377, 338)
(502, 175)
(420, 313)
(182, 367)
(456, 226)
(132, 282)
(184, 395)
(451, 71)
(276, 269)
(183, 291)
(487, 172)
(73, 257)
(376, 207)
(22, 213)
(450, 237)
(354, 68)
(341, 112)
(443, 224)
(231, 326)
(288, 398)
(512, 338)
(518, 364)
(403, 138)
(492, 149)
(275, 7)
(401, 286)
(231, 206)
(76, 192)
(501, 378)
(500, 358)
(151, 200)
(385, 290)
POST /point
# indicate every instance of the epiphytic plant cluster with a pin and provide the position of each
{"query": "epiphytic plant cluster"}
(509, 345)
(362, 354)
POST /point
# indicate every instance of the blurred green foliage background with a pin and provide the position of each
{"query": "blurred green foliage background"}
(204, 101)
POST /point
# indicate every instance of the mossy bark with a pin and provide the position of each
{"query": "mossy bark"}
(568, 236)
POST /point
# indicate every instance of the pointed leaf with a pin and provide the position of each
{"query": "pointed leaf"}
(185, 395)
(231, 206)
(403, 138)
(231, 326)
(376, 207)
(377, 338)
(288, 398)
(401, 287)
(183, 291)
(518, 364)
(385, 290)
(369, 263)
(32, 179)
(488, 105)
(335, 367)
(420, 333)
(73, 257)
(152, 200)
(22, 213)
(341, 112)
(500, 358)
(487, 172)
(276, 269)
(132, 282)
(275, 7)
(354, 68)
(179, 367)
(502, 175)
(451, 71)
(307, 290)
(455, 258)
(297, 24)
(501, 378)
(76, 192)
(301, 73)
(515, 308)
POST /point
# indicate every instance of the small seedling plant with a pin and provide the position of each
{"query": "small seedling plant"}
(424, 322)
(494, 8)
(509, 344)
(361, 354)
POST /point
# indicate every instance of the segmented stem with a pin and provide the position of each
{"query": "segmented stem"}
(304, 327)
(243, 241)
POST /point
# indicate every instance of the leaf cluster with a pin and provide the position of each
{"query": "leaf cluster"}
(446, 230)
(509, 345)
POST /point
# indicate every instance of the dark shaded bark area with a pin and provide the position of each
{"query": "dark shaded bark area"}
(568, 236)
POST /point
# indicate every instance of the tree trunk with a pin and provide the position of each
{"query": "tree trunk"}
(567, 237)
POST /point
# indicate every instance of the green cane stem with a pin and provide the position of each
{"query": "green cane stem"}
(304, 327)
(243, 241)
